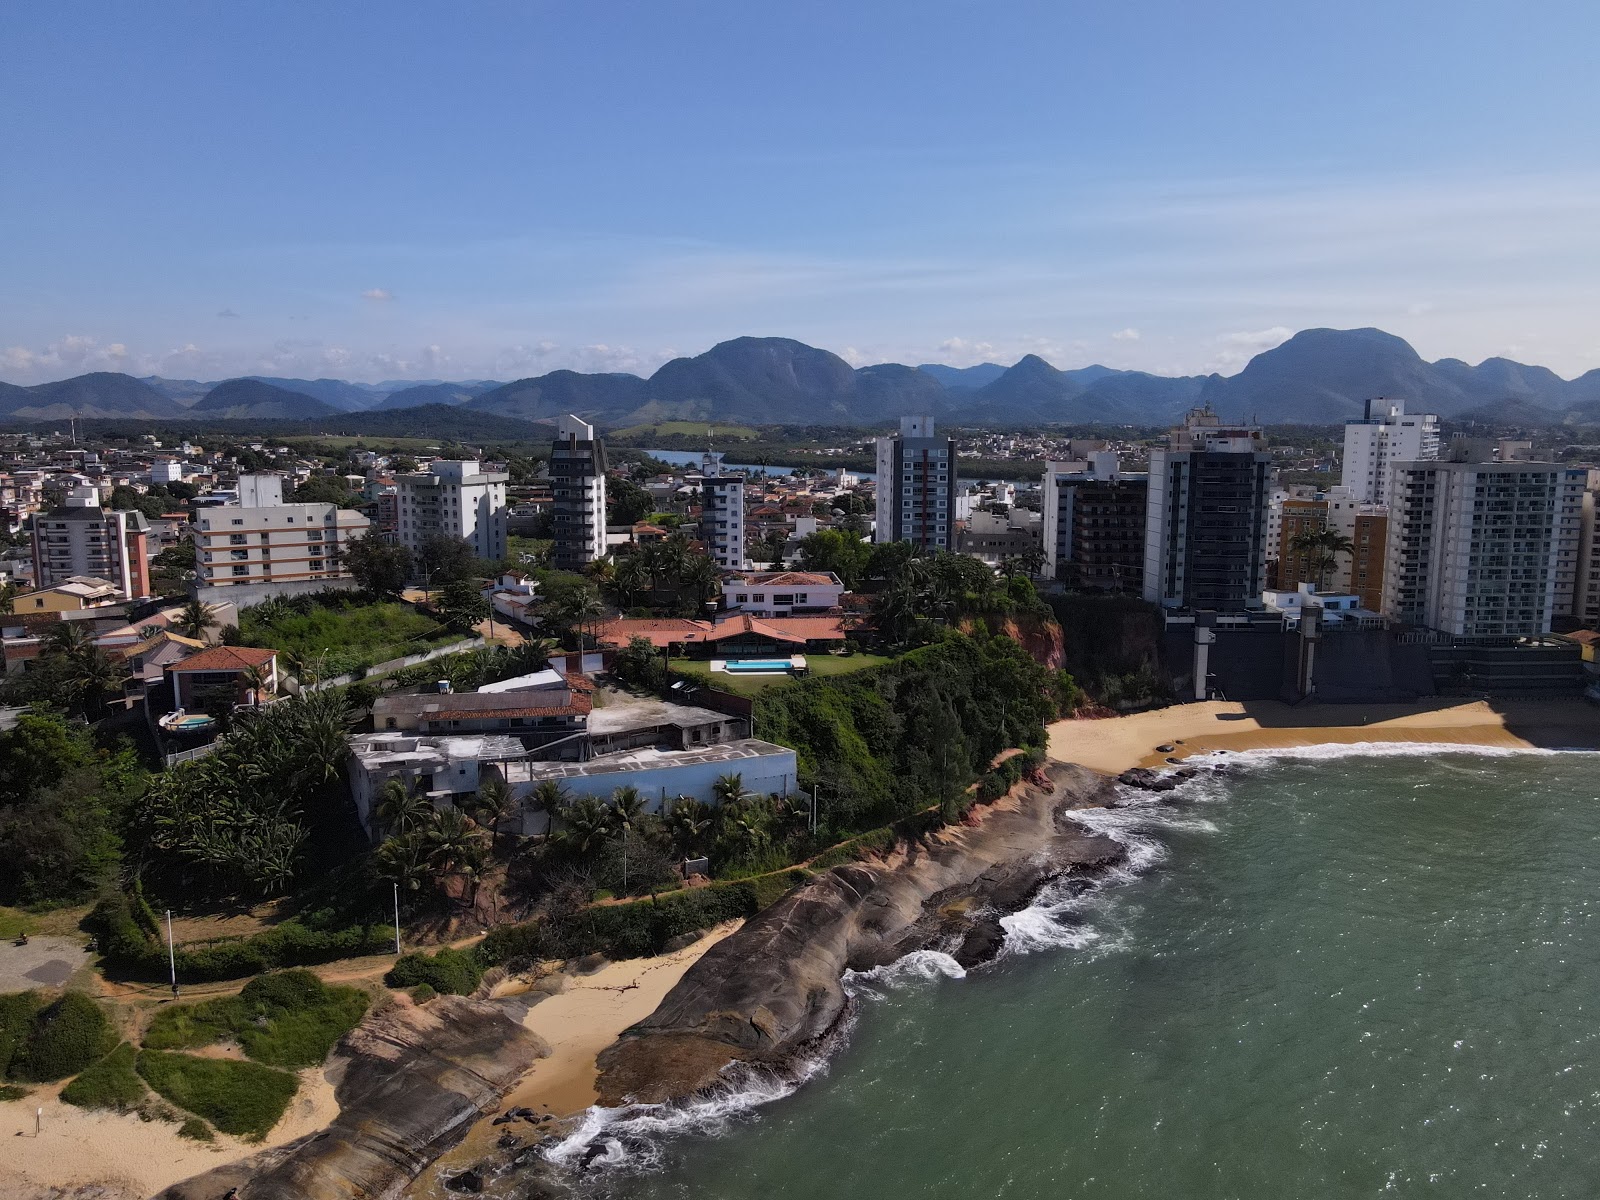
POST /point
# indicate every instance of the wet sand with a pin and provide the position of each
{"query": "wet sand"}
(1115, 744)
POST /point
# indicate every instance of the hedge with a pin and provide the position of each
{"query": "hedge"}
(290, 944)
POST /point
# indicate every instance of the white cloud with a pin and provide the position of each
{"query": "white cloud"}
(1126, 335)
(377, 295)
(1236, 349)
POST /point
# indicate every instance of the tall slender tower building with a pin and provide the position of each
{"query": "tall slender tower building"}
(721, 512)
(578, 490)
(1375, 445)
(917, 486)
(1206, 516)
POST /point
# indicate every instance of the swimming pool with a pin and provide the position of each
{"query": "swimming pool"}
(757, 666)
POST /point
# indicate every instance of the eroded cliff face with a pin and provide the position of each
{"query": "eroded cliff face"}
(769, 991)
(410, 1082)
(1040, 636)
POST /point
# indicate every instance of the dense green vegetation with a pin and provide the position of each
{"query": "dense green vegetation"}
(113, 1083)
(450, 972)
(286, 1019)
(1112, 645)
(241, 1098)
(63, 803)
(45, 1042)
(336, 633)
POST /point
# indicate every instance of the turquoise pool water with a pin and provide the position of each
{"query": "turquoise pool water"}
(757, 666)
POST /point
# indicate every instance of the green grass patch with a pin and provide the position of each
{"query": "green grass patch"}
(288, 1019)
(241, 1098)
(196, 1130)
(351, 638)
(821, 665)
(10, 1091)
(58, 1040)
(110, 1083)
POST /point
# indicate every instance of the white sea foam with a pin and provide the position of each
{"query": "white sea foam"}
(1328, 751)
(918, 967)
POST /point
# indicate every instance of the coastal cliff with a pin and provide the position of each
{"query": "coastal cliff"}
(766, 993)
(410, 1082)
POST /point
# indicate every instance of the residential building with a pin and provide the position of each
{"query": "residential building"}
(782, 593)
(1367, 526)
(166, 470)
(1206, 516)
(1291, 565)
(224, 666)
(81, 538)
(73, 594)
(455, 499)
(721, 512)
(1586, 587)
(1375, 445)
(1094, 523)
(1481, 549)
(538, 716)
(578, 495)
(917, 487)
(737, 635)
(993, 537)
(266, 544)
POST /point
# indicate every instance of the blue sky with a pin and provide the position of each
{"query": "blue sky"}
(497, 189)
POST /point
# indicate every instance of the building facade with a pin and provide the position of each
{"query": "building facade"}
(263, 541)
(1094, 524)
(721, 512)
(1586, 587)
(1375, 445)
(456, 499)
(1291, 566)
(1483, 549)
(1206, 516)
(82, 539)
(917, 487)
(578, 495)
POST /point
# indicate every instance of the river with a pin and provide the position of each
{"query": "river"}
(1327, 975)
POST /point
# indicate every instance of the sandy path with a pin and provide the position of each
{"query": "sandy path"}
(1115, 744)
(78, 1148)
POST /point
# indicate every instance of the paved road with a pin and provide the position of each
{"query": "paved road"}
(43, 962)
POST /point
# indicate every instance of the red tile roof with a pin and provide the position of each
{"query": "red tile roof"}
(674, 631)
(227, 658)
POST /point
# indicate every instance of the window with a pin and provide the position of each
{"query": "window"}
(238, 521)
(241, 570)
(782, 599)
(742, 598)
(237, 539)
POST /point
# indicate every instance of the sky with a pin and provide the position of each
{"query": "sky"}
(496, 190)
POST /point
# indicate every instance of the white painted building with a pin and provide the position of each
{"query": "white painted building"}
(721, 512)
(781, 593)
(1483, 549)
(166, 470)
(916, 487)
(1375, 445)
(263, 541)
(1586, 589)
(457, 499)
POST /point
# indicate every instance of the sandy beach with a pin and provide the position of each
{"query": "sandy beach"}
(1115, 744)
(124, 1155)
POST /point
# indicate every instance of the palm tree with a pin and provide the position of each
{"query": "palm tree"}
(632, 579)
(402, 860)
(256, 679)
(68, 637)
(492, 807)
(452, 844)
(402, 810)
(1320, 548)
(550, 798)
(95, 675)
(688, 822)
(306, 668)
(8, 598)
(196, 617)
(703, 578)
(586, 827)
(627, 808)
(729, 790)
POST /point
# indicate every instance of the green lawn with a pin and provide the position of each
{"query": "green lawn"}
(110, 1083)
(350, 638)
(751, 685)
(241, 1098)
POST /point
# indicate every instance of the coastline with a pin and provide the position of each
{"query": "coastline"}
(1112, 745)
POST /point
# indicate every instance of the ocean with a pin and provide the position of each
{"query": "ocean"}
(1323, 974)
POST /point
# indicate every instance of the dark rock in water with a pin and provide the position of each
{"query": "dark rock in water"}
(470, 1181)
(593, 1151)
(771, 989)
(509, 1141)
(1165, 749)
(503, 1119)
(1148, 780)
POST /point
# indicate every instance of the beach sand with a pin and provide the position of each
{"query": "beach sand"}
(125, 1156)
(1115, 744)
(578, 1023)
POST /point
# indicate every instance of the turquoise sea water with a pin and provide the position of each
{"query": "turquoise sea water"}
(1337, 976)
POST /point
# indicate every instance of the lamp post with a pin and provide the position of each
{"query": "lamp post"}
(172, 956)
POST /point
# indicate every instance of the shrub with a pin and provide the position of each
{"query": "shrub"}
(66, 1037)
(453, 972)
(195, 1130)
(17, 1011)
(110, 1083)
(422, 993)
(11, 1092)
(241, 1098)
(289, 1019)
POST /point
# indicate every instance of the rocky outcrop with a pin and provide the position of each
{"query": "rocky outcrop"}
(774, 988)
(410, 1082)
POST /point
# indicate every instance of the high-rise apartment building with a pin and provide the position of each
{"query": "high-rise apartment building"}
(1291, 565)
(1094, 521)
(721, 512)
(917, 487)
(1206, 516)
(457, 499)
(1483, 549)
(1375, 445)
(578, 494)
(265, 543)
(1366, 526)
(81, 538)
(1586, 587)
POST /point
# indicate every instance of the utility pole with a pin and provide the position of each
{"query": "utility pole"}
(813, 810)
(172, 956)
(397, 916)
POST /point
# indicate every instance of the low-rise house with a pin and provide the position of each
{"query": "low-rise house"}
(221, 666)
(539, 717)
(781, 593)
(1337, 608)
(73, 594)
(733, 636)
(513, 596)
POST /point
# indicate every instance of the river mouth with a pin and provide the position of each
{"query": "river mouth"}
(1326, 973)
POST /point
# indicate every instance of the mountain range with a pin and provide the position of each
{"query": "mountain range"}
(1318, 376)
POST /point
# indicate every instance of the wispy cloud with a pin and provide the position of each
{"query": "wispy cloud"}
(1126, 335)
(228, 314)
(378, 295)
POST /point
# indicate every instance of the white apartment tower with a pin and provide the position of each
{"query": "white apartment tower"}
(1206, 516)
(1375, 445)
(578, 491)
(917, 487)
(721, 512)
(457, 499)
(263, 542)
(1483, 549)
